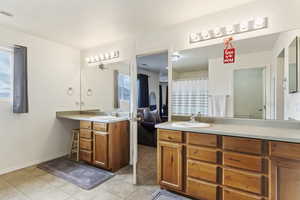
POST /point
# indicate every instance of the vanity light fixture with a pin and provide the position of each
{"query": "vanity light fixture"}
(103, 57)
(245, 26)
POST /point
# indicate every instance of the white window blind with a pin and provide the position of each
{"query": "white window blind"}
(190, 97)
(5, 74)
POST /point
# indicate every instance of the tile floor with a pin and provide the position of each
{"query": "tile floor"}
(147, 167)
(34, 184)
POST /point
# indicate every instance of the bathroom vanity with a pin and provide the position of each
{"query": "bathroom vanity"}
(230, 162)
(104, 140)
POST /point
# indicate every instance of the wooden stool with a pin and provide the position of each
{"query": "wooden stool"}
(75, 145)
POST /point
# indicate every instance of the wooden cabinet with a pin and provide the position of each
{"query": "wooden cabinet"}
(213, 167)
(285, 171)
(101, 149)
(170, 165)
(105, 145)
(201, 190)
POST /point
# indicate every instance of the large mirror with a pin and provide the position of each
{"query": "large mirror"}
(106, 87)
(293, 66)
(251, 87)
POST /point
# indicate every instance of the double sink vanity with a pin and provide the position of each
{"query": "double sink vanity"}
(103, 140)
(230, 159)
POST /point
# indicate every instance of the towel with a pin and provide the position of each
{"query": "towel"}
(217, 105)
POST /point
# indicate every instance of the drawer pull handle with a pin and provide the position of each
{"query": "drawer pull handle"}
(170, 138)
(232, 159)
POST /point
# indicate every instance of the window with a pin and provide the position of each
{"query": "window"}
(124, 87)
(5, 74)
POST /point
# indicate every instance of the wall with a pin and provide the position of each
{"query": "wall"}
(153, 81)
(291, 101)
(221, 76)
(190, 75)
(32, 138)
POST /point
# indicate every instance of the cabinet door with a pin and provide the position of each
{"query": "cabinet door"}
(101, 149)
(285, 179)
(170, 165)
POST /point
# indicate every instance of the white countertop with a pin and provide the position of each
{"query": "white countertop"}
(248, 131)
(94, 118)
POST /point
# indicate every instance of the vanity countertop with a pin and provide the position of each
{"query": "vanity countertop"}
(89, 117)
(285, 133)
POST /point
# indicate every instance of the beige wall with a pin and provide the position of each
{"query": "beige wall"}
(28, 139)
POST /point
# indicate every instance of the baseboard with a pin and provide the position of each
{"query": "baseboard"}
(28, 164)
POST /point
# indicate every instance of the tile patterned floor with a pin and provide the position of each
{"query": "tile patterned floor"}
(147, 167)
(34, 184)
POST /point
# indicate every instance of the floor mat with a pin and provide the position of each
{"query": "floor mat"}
(84, 176)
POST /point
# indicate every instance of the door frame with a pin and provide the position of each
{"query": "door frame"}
(133, 105)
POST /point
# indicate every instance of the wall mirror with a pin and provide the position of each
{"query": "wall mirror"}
(293, 66)
(248, 88)
(106, 87)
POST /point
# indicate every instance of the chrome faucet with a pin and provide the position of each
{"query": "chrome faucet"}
(193, 117)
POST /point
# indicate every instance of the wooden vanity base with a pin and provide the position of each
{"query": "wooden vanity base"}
(214, 167)
(105, 145)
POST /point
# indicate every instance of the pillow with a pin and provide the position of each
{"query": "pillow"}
(148, 115)
(156, 116)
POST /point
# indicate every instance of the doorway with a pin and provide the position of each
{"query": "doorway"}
(249, 93)
(152, 108)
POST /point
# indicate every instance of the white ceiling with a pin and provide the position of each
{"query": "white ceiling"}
(155, 62)
(89, 23)
(197, 59)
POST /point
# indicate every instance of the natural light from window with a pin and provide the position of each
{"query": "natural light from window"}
(5, 74)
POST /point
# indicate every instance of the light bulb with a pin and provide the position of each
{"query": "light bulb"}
(205, 34)
(101, 57)
(97, 59)
(244, 26)
(106, 56)
(112, 54)
(259, 22)
(217, 32)
(87, 59)
(230, 29)
(194, 37)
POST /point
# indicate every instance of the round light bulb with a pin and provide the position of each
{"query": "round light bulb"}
(205, 34)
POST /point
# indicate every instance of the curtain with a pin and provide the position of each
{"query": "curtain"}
(190, 97)
(160, 100)
(20, 88)
(143, 91)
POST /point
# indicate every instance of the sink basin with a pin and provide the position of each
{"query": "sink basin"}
(190, 125)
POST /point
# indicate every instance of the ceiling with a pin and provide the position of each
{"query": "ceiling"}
(89, 23)
(197, 59)
(155, 62)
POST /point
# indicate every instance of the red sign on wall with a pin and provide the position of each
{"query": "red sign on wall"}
(229, 51)
(229, 55)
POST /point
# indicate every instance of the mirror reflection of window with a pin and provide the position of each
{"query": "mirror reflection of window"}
(124, 87)
(293, 66)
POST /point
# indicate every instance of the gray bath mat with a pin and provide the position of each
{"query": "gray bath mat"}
(165, 195)
(84, 176)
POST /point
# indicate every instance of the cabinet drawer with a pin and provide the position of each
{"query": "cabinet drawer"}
(202, 154)
(233, 195)
(86, 144)
(244, 181)
(86, 133)
(201, 190)
(202, 139)
(242, 161)
(86, 156)
(171, 136)
(203, 171)
(244, 145)
(285, 150)
(98, 126)
(85, 125)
